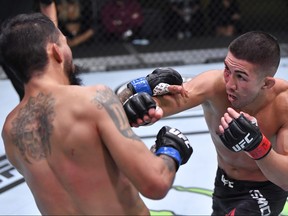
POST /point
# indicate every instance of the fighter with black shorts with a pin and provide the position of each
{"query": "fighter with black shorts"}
(246, 197)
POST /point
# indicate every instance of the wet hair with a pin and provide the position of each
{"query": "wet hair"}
(23, 43)
(258, 48)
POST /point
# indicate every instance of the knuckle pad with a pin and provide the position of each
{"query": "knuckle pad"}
(247, 125)
(235, 128)
(164, 75)
(131, 114)
(149, 102)
(136, 107)
(228, 136)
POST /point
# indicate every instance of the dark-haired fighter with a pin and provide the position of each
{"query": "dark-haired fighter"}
(73, 144)
(12, 8)
(251, 179)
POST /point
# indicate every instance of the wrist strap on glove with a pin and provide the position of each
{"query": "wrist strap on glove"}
(261, 150)
(140, 85)
(171, 152)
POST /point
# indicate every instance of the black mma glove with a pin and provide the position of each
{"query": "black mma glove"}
(157, 82)
(137, 106)
(171, 142)
(242, 134)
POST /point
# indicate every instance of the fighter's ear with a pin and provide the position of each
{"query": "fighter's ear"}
(56, 53)
(269, 82)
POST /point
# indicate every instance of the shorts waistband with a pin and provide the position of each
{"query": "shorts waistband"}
(222, 178)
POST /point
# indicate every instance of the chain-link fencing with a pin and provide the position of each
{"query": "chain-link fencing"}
(110, 35)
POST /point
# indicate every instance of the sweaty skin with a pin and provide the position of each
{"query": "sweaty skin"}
(237, 86)
(76, 150)
(61, 154)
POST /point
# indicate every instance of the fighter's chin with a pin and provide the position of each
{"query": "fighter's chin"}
(234, 102)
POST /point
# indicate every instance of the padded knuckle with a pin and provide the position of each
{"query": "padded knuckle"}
(164, 75)
(228, 135)
(149, 102)
(131, 114)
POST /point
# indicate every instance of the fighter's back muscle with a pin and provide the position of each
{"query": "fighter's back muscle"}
(61, 137)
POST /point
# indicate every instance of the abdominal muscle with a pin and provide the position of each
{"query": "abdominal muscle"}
(239, 166)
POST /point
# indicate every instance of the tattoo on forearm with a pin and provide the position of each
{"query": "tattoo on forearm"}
(32, 128)
(169, 162)
(110, 102)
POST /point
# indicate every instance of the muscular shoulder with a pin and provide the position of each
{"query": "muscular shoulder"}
(279, 125)
(281, 95)
(277, 103)
(10, 128)
(208, 79)
(8, 122)
(63, 115)
(97, 104)
(208, 83)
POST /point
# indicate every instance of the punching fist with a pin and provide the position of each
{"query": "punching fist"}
(137, 106)
(242, 134)
(157, 82)
(171, 142)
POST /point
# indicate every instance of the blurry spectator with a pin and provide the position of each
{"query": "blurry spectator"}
(11, 8)
(225, 17)
(122, 18)
(187, 17)
(76, 21)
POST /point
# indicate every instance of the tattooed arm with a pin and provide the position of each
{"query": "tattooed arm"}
(151, 175)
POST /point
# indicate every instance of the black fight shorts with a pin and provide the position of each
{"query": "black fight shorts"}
(239, 198)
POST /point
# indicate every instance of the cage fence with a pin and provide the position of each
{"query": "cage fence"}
(107, 35)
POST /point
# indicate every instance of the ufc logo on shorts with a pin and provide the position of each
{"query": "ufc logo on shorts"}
(242, 144)
(227, 182)
(180, 135)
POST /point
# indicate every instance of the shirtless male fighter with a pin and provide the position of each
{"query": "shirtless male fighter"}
(252, 175)
(73, 144)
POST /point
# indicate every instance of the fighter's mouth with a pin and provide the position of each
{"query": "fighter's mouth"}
(231, 97)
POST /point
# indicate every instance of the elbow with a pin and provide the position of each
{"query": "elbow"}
(155, 191)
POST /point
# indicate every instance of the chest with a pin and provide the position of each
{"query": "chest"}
(270, 119)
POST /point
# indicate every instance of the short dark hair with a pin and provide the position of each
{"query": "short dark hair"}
(259, 48)
(23, 42)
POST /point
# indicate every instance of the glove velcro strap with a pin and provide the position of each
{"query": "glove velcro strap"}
(262, 149)
(141, 85)
(171, 152)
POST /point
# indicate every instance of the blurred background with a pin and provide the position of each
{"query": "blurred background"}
(108, 35)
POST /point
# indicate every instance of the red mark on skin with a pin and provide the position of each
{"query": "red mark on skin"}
(72, 152)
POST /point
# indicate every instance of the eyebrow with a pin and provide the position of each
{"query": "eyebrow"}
(237, 71)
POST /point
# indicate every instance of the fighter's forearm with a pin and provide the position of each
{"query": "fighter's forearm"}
(124, 95)
(274, 168)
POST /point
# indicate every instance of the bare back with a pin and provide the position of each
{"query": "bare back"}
(57, 145)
